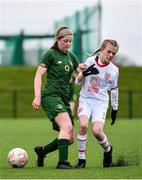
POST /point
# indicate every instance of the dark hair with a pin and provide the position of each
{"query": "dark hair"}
(104, 43)
(57, 37)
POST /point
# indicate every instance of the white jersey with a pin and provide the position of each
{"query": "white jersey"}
(97, 86)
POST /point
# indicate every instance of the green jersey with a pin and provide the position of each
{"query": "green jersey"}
(60, 67)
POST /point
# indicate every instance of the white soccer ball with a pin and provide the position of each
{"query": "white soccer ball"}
(17, 158)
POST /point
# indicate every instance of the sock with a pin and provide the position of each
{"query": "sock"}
(51, 146)
(63, 150)
(82, 142)
(105, 144)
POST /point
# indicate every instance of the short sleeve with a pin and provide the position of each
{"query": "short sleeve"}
(46, 59)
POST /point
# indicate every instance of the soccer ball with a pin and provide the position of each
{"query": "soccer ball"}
(17, 158)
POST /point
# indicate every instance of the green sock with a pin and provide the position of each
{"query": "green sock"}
(51, 146)
(63, 149)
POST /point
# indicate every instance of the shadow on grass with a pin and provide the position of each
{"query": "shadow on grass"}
(123, 161)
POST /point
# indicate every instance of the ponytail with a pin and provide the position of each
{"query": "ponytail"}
(104, 43)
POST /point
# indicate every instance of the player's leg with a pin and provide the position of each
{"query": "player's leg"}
(72, 105)
(52, 146)
(41, 151)
(49, 104)
(83, 114)
(82, 141)
(103, 141)
(66, 129)
(98, 120)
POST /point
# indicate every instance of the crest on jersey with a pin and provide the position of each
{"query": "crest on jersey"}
(59, 106)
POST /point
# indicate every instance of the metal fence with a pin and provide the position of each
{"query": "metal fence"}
(17, 104)
(87, 27)
(27, 49)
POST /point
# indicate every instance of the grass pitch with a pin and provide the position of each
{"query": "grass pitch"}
(125, 135)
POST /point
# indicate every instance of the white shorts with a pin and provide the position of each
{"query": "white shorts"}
(94, 109)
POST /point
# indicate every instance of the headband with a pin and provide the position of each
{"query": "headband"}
(64, 32)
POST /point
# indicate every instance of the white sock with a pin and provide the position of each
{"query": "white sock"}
(82, 142)
(105, 144)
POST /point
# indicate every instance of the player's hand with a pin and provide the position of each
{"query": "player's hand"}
(90, 70)
(113, 116)
(82, 66)
(36, 103)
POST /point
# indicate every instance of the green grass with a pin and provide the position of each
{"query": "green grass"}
(125, 135)
(21, 79)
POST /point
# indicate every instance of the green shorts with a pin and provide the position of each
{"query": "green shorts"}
(52, 105)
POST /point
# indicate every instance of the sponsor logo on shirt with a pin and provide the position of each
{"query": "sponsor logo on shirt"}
(59, 62)
(94, 84)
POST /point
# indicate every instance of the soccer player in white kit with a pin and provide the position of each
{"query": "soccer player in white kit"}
(99, 76)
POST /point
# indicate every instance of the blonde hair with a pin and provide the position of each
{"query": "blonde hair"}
(104, 44)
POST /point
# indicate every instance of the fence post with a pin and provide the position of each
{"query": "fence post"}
(130, 104)
(14, 103)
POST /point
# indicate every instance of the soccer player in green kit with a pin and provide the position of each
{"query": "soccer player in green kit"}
(59, 63)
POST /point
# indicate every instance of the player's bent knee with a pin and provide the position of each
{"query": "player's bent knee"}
(71, 141)
(83, 126)
(97, 132)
